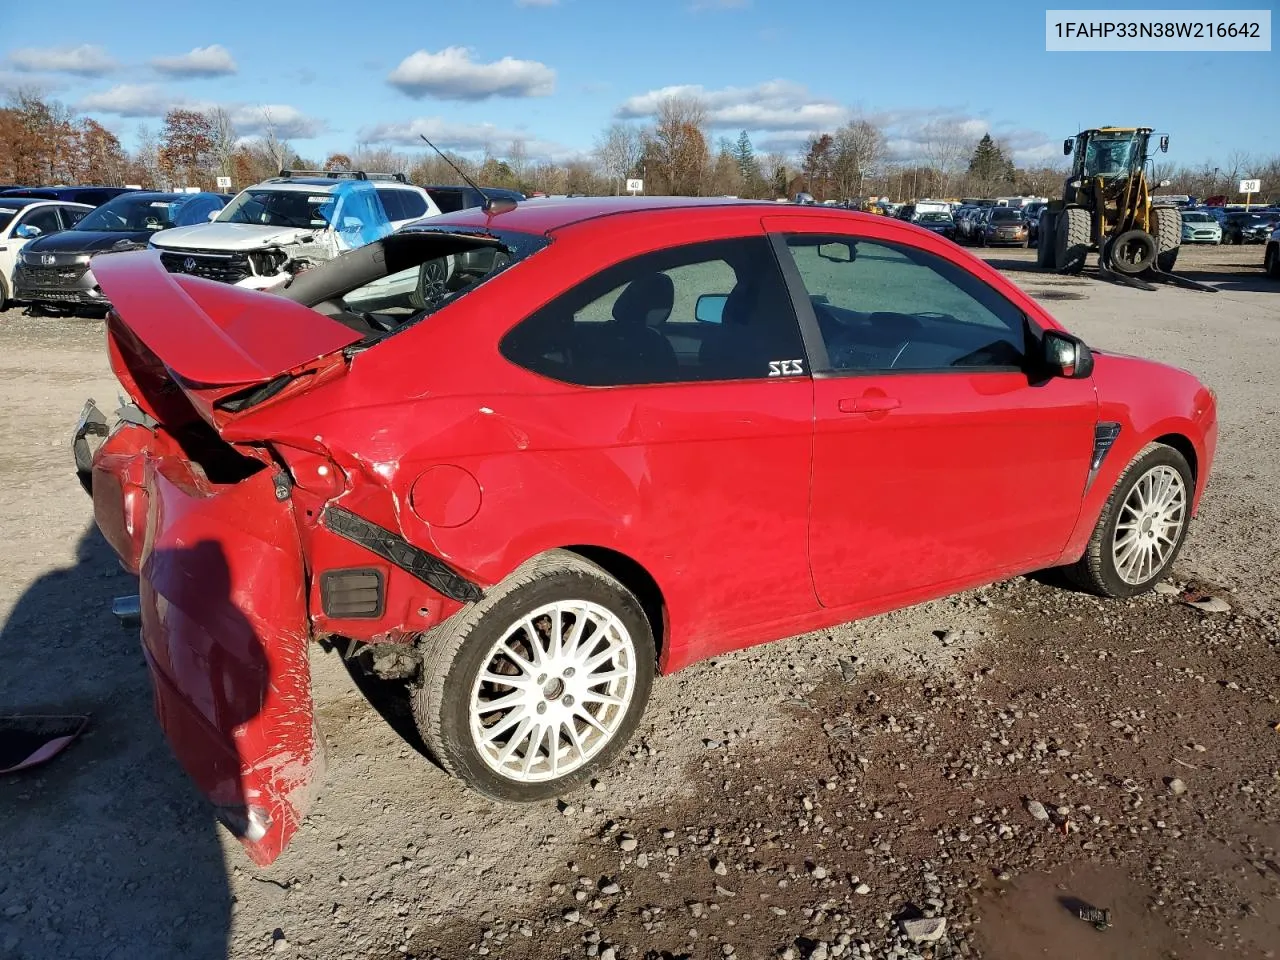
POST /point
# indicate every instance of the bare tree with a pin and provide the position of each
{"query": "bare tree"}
(618, 150)
(272, 144)
(857, 149)
(946, 148)
(677, 147)
(518, 160)
(224, 141)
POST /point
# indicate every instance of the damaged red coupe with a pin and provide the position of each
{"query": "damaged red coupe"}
(530, 457)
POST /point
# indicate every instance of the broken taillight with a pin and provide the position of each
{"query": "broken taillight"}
(313, 472)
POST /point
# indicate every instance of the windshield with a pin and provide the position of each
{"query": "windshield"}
(133, 214)
(1197, 218)
(6, 217)
(937, 217)
(1005, 215)
(1109, 156)
(277, 208)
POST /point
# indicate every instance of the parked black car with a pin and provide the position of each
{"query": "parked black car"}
(1031, 213)
(452, 198)
(93, 196)
(1252, 227)
(1002, 226)
(53, 271)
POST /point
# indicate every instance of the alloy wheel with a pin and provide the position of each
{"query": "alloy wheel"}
(1149, 525)
(553, 691)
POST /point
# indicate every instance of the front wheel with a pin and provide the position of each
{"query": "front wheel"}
(1142, 526)
(539, 684)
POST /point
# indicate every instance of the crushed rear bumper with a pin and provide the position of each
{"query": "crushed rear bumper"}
(222, 595)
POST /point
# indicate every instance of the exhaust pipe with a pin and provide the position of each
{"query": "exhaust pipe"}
(128, 610)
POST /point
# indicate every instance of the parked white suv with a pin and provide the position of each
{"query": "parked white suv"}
(275, 229)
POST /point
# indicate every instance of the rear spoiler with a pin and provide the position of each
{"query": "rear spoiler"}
(213, 334)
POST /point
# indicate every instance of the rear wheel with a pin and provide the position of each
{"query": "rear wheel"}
(4, 294)
(1167, 229)
(1142, 526)
(540, 683)
(1071, 239)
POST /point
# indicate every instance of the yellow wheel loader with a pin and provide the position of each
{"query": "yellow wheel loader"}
(1107, 207)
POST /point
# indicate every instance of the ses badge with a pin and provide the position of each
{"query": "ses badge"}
(786, 368)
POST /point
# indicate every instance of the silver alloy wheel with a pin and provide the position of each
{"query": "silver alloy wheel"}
(553, 691)
(1149, 525)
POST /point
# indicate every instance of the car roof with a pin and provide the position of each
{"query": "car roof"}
(547, 215)
(309, 184)
(9, 202)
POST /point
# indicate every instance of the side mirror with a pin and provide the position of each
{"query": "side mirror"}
(710, 307)
(28, 232)
(1066, 147)
(1067, 356)
(1164, 143)
(213, 214)
(838, 251)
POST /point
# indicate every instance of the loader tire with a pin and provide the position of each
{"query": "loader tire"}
(1166, 227)
(1071, 239)
(1133, 252)
(1046, 237)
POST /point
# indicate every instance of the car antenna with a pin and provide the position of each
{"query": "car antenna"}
(490, 205)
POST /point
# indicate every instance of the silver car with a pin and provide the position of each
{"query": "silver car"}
(1200, 228)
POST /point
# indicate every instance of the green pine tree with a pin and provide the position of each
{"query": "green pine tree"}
(745, 155)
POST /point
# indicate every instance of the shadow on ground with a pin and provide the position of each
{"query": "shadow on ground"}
(108, 851)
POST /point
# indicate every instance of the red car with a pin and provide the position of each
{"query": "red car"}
(528, 458)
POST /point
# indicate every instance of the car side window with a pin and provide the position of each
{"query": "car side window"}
(412, 206)
(701, 312)
(71, 216)
(391, 204)
(43, 218)
(883, 306)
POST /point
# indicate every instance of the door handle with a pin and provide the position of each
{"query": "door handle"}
(869, 404)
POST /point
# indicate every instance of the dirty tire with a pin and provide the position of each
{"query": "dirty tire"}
(1071, 239)
(1046, 238)
(1138, 249)
(1167, 229)
(4, 294)
(1096, 571)
(454, 656)
(1271, 261)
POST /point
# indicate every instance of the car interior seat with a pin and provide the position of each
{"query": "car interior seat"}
(631, 348)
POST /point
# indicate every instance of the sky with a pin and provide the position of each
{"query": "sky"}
(556, 73)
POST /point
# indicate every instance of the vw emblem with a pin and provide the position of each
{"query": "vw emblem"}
(48, 259)
(189, 264)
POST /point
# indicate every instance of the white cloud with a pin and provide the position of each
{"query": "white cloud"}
(85, 60)
(451, 74)
(772, 106)
(290, 123)
(211, 61)
(152, 100)
(465, 138)
(131, 100)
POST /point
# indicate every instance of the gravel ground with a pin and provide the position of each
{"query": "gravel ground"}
(969, 772)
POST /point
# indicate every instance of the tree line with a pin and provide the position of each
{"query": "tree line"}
(42, 141)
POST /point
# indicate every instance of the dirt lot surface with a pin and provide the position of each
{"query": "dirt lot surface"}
(971, 772)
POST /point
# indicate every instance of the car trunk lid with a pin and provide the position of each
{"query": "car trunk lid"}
(211, 340)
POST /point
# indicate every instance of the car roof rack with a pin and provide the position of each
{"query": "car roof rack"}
(342, 175)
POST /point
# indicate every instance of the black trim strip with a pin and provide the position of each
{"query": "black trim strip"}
(431, 570)
(1105, 433)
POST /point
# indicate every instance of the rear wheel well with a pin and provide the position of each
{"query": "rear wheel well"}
(1185, 447)
(635, 578)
